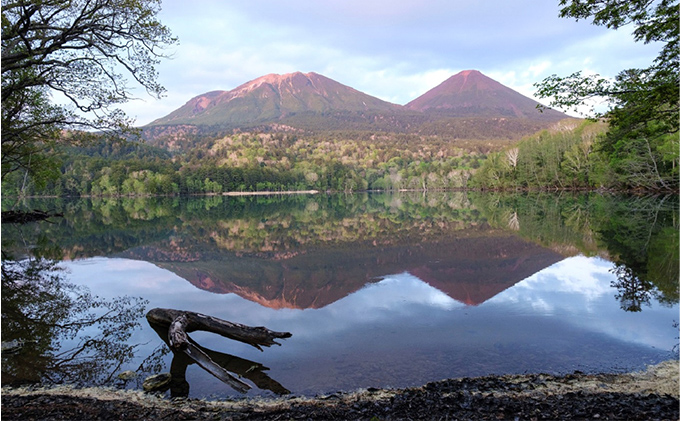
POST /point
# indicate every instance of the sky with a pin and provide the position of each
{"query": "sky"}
(395, 50)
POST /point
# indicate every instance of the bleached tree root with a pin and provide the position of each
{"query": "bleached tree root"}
(181, 322)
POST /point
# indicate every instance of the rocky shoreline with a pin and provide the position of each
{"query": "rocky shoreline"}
(649, 395)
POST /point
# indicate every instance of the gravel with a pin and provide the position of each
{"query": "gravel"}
(649, 395)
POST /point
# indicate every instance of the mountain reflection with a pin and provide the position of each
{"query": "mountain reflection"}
(469, 269)
(310, 251)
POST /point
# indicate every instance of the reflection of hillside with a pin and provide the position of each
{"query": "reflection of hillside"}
(469, 268)
(272, 227)
(639, 234)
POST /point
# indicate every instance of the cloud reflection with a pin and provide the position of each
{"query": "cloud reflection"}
(571, 283)
(393, 291)
(578, 289)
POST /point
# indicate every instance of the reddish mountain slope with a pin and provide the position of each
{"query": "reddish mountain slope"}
(273, 97)
(472, 94)
(468, 105)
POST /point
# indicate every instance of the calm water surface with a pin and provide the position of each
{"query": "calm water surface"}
(377, 290)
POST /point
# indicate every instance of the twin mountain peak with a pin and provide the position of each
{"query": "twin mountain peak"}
(311, 100)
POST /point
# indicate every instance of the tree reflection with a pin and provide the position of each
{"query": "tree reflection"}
(61, 332)
(634, 292)
(639, 234)
(642, 233)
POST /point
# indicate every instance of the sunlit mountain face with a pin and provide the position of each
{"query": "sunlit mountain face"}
(471, 93)
(273, 97)
(468, 105)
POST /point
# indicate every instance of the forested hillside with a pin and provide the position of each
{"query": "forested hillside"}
(569, 155)
(575, 155)
(336, 161)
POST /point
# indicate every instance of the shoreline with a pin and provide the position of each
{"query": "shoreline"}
(638, 192)
(268, 193)
(649, 394)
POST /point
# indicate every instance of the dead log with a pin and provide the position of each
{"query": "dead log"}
(251, 370)
(206, 363)
(182, 322)
(179, 323)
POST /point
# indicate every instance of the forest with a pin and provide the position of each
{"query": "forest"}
(573, 154)
(576, 156)
(248, 162)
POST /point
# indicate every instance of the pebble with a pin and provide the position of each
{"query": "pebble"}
(157, 382)
(11, 347)
(127, 375)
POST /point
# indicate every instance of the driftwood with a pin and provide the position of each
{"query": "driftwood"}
(173, 326)
(251, 370)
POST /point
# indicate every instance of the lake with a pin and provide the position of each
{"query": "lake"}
(378, 290)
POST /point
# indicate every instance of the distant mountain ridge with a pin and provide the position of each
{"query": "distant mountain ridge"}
(467, 105)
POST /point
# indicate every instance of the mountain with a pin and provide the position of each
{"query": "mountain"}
(472, 94)
(469, 105)
(274, 97)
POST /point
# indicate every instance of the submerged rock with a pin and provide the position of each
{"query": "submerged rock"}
(11, 347)
(157, 382)
(127, 375)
